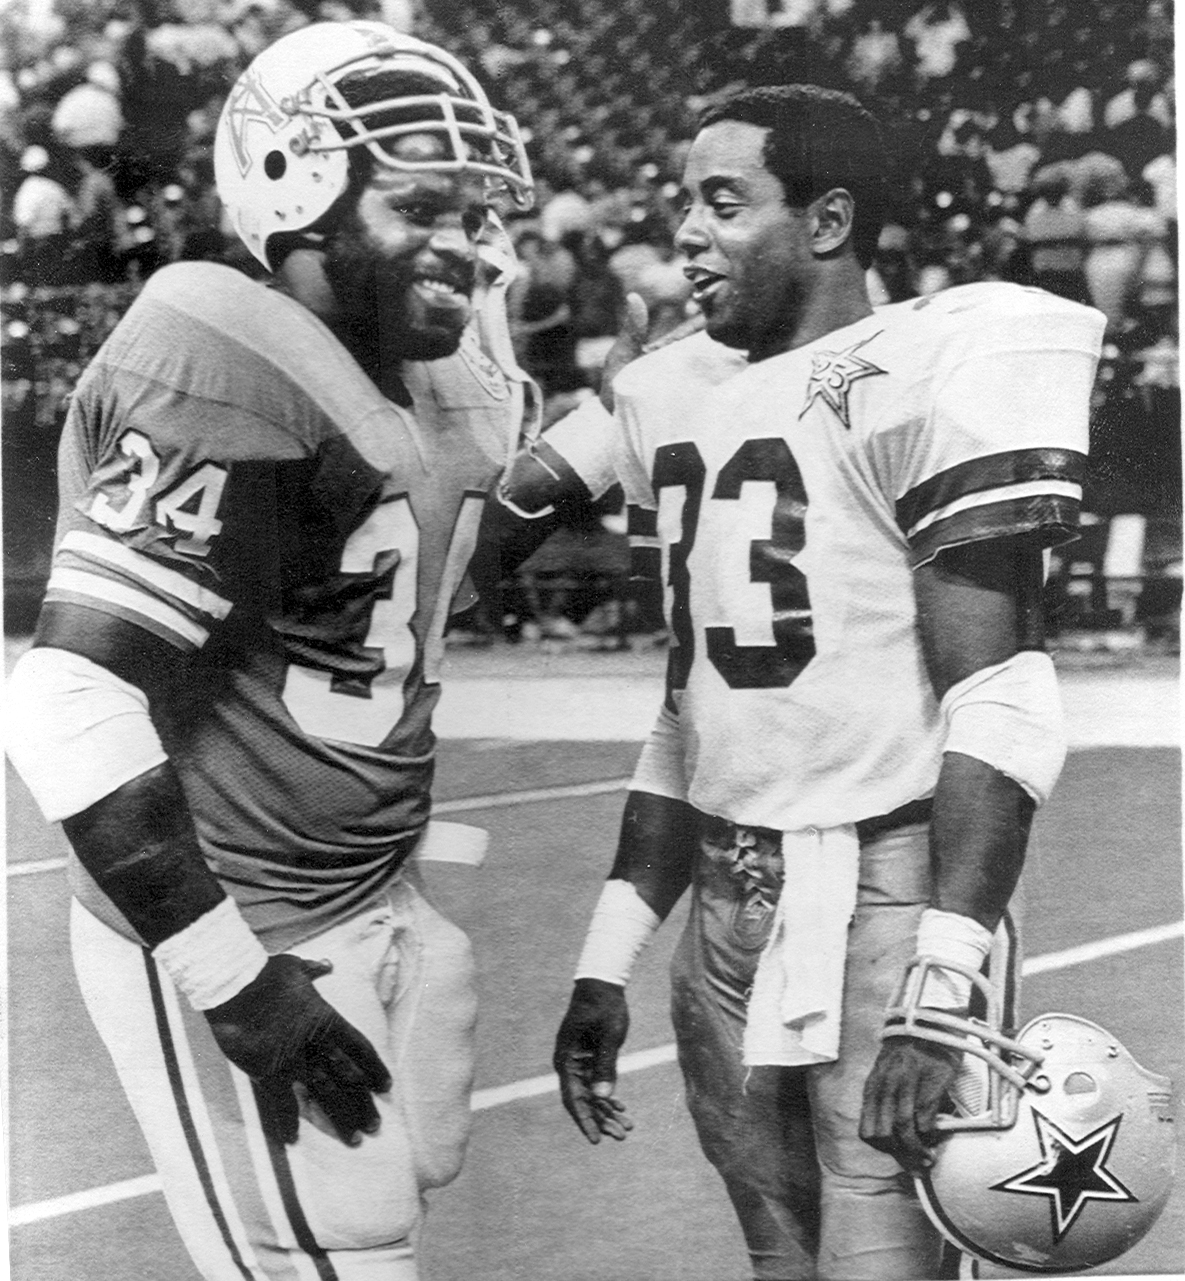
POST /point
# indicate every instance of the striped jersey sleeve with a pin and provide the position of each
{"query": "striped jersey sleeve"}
(1004, 429)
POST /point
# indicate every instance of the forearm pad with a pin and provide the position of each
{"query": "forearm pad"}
(140, 847)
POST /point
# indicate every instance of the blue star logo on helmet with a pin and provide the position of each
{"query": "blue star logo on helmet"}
(1071, 1172)
(832, 376)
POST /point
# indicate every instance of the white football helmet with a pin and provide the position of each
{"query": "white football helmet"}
(282, 144)
(1060, 1152)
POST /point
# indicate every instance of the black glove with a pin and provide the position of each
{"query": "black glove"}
(586, 1046)
(280, 1031)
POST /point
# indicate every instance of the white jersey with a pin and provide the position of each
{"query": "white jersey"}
(786, 505)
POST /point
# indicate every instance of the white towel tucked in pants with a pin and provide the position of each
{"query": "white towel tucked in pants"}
(796, 1003)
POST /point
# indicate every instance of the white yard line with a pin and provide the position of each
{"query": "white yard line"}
(498, 800)
(530, 1087)
(1102, 709)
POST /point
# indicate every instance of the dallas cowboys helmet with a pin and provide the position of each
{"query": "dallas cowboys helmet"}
(1059, 1154)
(281, 150)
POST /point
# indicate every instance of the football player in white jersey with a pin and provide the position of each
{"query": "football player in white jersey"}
(848, 510)
(269, 495)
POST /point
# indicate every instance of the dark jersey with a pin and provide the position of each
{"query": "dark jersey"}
(232, 482)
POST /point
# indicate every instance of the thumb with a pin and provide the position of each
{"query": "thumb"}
(316, 969)
(637, 319)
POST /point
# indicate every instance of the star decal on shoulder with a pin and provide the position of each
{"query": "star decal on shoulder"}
(1071, 1172)
(832, 376)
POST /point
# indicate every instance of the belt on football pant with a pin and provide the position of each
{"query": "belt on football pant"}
(722, 831)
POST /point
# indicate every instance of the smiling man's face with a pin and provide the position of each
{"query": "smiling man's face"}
(404, 259)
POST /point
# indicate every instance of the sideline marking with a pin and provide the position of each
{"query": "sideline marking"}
(530, 1087)
(502, 800)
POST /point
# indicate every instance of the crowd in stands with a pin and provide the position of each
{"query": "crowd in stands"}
(1036, 144)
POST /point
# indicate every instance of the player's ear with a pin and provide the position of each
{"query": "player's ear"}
(832, 215)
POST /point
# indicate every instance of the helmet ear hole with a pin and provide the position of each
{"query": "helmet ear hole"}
(1080, 1083)
(275, 164)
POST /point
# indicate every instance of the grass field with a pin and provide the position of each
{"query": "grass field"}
(536, 749)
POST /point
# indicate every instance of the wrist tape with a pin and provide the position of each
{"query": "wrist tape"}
(213, 957)
(621, 926)
(950, 938)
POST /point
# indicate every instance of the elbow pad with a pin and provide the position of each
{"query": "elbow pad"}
(76, 731)
(1010, 716)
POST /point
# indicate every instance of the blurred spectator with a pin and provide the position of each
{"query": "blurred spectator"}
(875, 55)
(255, 24)
(541, 313)
(1138, 139)
(646, 264)
(937, 30)
(89, 115)
(45, 215)
(1161, 176)
(1118, 233)
(1053, 230)
(1139, 74)
(1010, 157)
(1005, 254)
(892, 277)
(565, 213)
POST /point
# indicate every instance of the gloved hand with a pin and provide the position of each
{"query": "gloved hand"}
(281, 1031)
(586, 1047)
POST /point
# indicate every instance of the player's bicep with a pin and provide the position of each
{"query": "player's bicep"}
(978, 604)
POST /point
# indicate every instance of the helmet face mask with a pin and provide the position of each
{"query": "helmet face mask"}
(284, 139)
(1059, 1152)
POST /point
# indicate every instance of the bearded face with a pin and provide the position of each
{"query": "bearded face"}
(402, 262)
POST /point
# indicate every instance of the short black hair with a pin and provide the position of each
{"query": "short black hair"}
(819, 139)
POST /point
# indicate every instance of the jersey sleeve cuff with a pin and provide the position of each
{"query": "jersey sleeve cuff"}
(584, 439)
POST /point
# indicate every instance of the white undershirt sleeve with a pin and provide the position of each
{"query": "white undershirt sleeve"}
(75, 732)
(584, 438)
(660, 769)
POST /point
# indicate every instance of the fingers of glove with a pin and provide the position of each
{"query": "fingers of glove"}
(349, 1055)
(316, 969)
(350, 1109)
(279, 1113)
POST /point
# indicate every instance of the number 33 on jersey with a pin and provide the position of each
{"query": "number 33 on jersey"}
(785, 505)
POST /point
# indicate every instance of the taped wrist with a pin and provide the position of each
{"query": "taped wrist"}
(214, 958)
(949, 938)
(621, 926)
(1010, 716)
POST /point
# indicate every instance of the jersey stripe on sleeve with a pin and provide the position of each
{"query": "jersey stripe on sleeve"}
(97, 572)
(1015, 492)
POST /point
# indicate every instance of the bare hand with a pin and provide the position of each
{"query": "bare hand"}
(585, 1058)
(908, 1085)
(281, 1031)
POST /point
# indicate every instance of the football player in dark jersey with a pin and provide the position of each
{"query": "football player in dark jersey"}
(269, 496)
